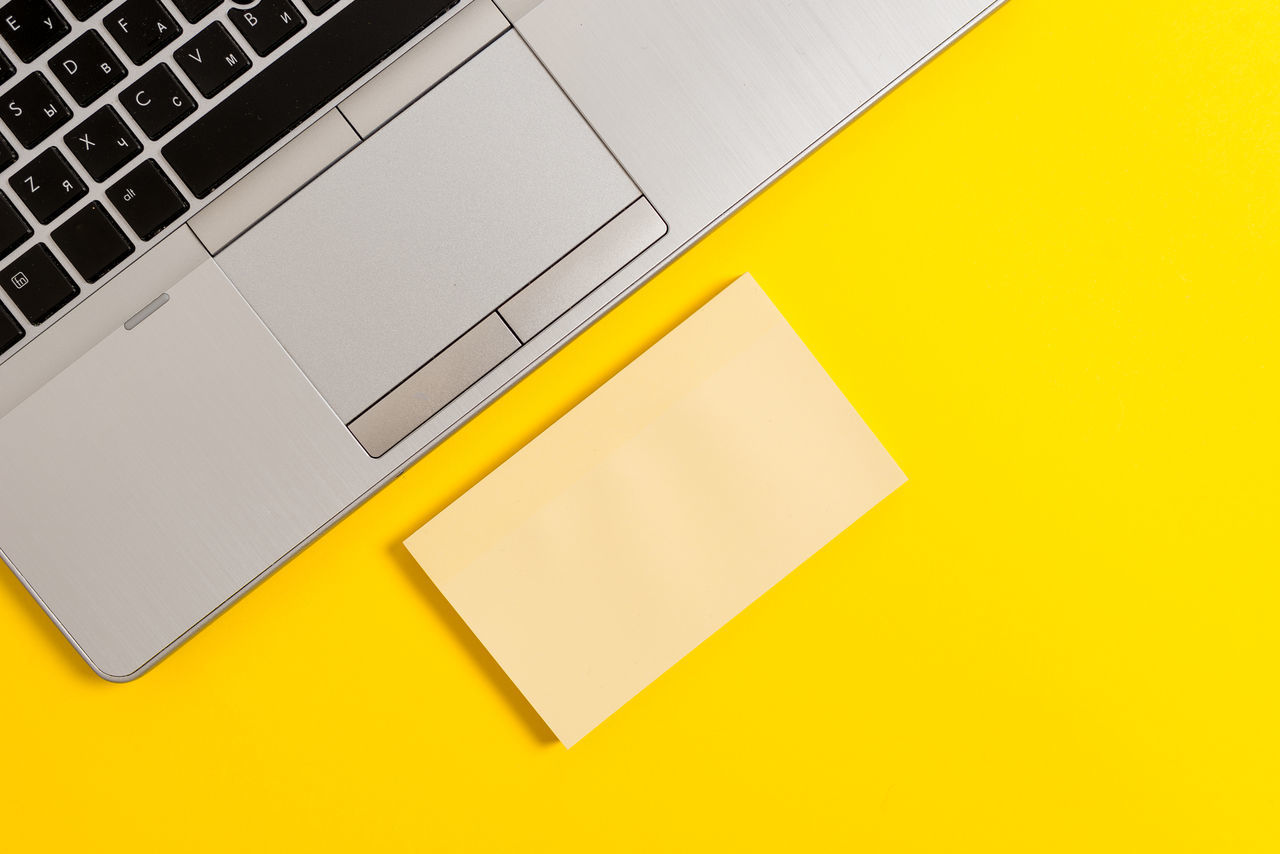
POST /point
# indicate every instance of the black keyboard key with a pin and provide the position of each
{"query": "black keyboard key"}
(268, 25)
(318, 6)
(102, 143)
(92, 242)
(8, 156)
(298, 82)
(157, 101)
(31, 27)
(212, 59)
(147, 200)
(11, 331)
(87, 68)
(13, 228)
(194, 10)
(38, 284)
(142, 28)
(6, 68)
(48, 185)
(84, 9)
(32, 110)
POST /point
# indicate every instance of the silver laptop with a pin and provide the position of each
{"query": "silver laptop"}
(259, 257)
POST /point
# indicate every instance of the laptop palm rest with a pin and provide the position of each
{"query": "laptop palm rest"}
(434, 250)
(165, 470)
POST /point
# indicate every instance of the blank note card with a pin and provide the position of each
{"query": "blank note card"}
(656, 510)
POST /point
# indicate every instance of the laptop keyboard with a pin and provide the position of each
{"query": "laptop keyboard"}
(118, 117)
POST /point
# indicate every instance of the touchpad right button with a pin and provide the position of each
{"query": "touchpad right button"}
(601, 255)
(429, 226)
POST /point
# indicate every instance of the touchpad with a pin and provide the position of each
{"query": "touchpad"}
(411, 243)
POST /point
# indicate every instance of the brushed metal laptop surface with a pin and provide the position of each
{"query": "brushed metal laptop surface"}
(217, 459)
(705, 100)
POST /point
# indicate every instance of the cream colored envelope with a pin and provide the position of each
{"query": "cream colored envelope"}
(656, 510)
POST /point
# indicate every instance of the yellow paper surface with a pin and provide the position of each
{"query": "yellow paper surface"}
(656, 510)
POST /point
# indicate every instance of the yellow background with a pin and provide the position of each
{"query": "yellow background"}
(1045, 272)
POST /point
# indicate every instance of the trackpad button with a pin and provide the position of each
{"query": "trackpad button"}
(429, 226)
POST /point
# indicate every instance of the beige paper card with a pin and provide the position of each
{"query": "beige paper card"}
(656, 510)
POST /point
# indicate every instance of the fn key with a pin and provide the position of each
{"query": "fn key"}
(38, 284)
(147, 200)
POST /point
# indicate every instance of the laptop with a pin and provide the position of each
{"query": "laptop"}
(256, 258)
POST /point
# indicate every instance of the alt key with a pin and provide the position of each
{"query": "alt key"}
(147, 199)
